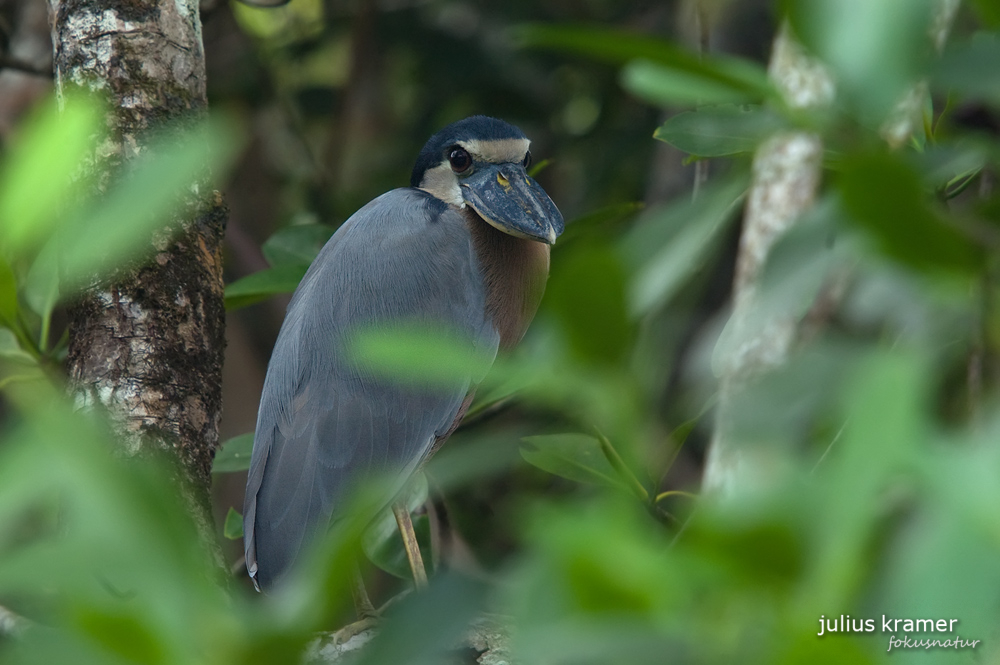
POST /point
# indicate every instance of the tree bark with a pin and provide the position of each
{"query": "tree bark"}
(148, 348)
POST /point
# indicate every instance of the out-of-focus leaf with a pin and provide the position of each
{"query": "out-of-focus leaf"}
(37, 177)
(282, 25)
(420, 355)
(10, 349)
(133, 551)
(118, 226)
(296, 245)
(665, 69)
(597, 571)
(940, 164)
(41, 286)
(233, 527)
(852, 35)
(989, 12)
(123, 635)
(9, 306)
(608, 44)
(234, 454)
(599, 222)
(765, 551)
(715, 131)
(424, 627)
(383, 544)
(667, 86)
(535, 169)
(672, 243)
(886, 197)
(263, 284)
(469, 459)
(574, 456)
(885, 425)
(959, 569)
(586, 291)
(971, 69)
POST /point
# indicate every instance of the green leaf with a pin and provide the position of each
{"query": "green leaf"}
(886, 409)
(423, 628)
(234, 454)
(120, 225)
(604, 222)
(9, 306)
(608, 44)
(586, 291)
(41, 286)
(876, 48)
(574, 456)
(10, 348)
(37, 177)
(716, 131)
(674, 242)
(742, 80)
(665, 86)
(988, 11)
(535, 169)
(296, 245)
(885, 195)
(420, 355)
(263, 284)
(971, 69)
(122, 634)
(233, 527)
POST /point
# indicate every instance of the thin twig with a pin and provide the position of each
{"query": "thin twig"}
(485, 411)
(11, 623)
(16, 64)
(619, 465)
(704, 33)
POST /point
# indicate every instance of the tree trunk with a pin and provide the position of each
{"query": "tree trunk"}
(148, 348)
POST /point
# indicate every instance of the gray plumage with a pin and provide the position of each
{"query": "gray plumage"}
(324, 423)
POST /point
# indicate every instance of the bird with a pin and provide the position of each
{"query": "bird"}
(465, 247)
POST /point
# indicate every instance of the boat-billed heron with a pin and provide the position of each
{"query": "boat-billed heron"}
(465, 248)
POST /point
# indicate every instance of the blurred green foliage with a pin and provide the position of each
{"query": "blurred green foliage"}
(876, 447)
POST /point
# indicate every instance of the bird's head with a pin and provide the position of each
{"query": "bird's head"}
(481, 162)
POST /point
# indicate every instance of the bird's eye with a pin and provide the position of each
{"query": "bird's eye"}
(460, 159)
(527, 159)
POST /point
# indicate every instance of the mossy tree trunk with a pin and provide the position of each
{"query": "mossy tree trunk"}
(148, 347)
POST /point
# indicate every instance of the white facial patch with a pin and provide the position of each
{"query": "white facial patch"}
(442, 183)
(498, 151)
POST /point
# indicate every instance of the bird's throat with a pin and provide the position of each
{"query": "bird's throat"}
(514, 271)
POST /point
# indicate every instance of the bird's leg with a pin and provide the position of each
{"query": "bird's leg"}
(410, 544)
(368, 616)
(362, 603)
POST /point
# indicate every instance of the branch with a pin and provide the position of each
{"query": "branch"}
(786, 176)
(16, 64)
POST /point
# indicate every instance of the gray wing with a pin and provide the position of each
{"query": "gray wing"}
(325, 424)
